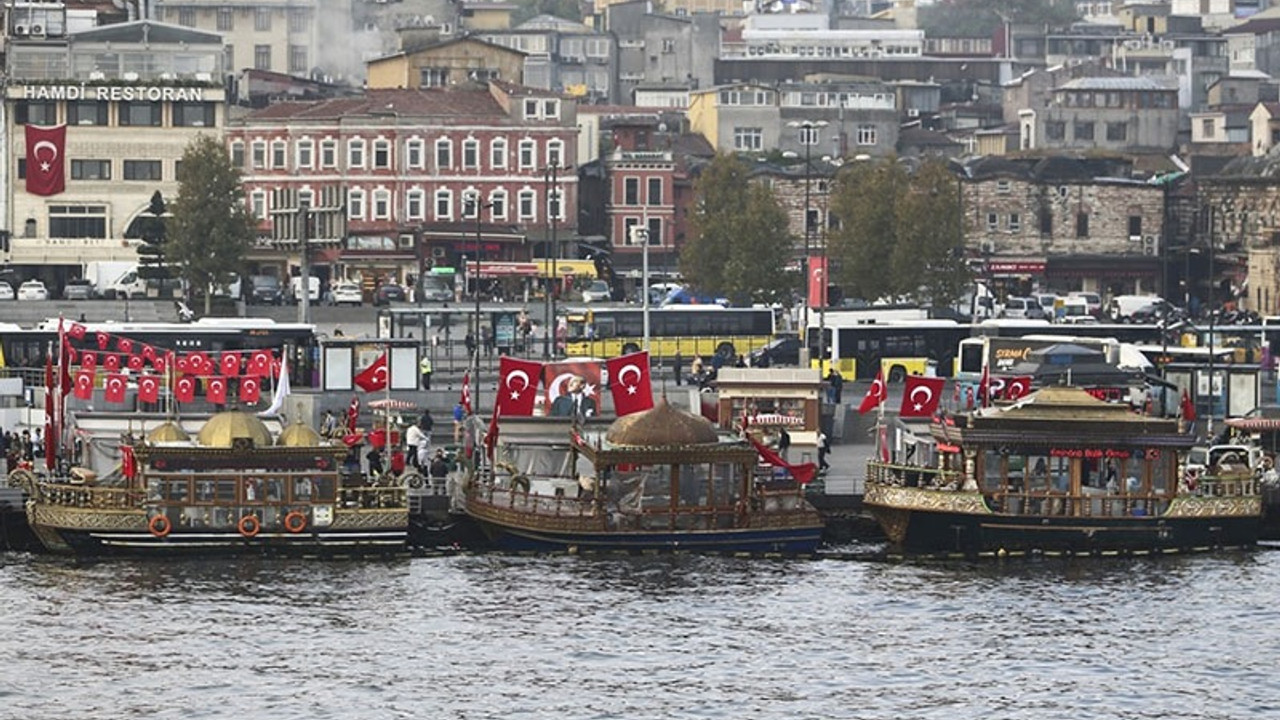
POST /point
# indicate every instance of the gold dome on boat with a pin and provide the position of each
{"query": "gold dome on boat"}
(662, 426)
(168, 431)
(225, 428)
(299, 434)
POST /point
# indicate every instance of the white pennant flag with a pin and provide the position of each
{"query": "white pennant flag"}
(282, 389)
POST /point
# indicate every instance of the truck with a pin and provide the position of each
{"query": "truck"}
(102, 273)
(126, 285)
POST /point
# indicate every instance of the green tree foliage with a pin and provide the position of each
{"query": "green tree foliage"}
(211, 229)
(981, 18)
(900, 233)
(740, 240)
(528, 9)
(151, 253)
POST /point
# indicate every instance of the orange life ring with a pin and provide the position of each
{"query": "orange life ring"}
(295, 522)
(249, 526)
(159, 525)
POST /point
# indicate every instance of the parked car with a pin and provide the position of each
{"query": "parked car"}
(388, 293)
(347, 293)
(6, 291)
(79, 289)
(1092, 300)
(266, 290)
(598, 291)
(1024, 308)
(783, 350)
(435, 288)
(33, 290)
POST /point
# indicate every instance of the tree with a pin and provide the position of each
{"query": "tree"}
(211, 229)
(151, 260)
(739, 240)
(982, 18)
(863, 246)
(929, 262)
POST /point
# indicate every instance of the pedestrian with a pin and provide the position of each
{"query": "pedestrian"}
(458, 416)
(328, 425)
(470, 342)
(824, 447)
(439, 467)
(424, 368)
(835, 387)
(422, 441)
(784, 442)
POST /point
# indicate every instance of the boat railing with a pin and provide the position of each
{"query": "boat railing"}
(521, 500)
(79, 495)
(913, 476)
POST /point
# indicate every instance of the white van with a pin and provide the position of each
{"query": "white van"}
(1124, 306)
(295, 287)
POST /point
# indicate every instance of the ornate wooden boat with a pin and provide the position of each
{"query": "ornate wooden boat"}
(1057, 472)
(231, 490)
(657, 480)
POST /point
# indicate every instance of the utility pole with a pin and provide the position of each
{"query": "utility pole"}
(304, 249)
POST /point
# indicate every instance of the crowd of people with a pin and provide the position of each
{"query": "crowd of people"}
(20, 448)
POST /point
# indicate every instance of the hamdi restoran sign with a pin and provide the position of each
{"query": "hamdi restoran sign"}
(114, 93)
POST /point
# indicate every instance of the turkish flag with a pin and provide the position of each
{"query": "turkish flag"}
(557, 375)
(114, 388)
(84, 384)
(818, 282)
(124, 345)
(1187, 408)
(229, 363)
(259, 363)
(517, 386)
(148, 352)
(159, 363)
(629, 382)
(353, 413)
(984, 385)
(199, 363)
(88, 360)
(149, 388)
(76, 331)
(215, 390)
(183, 365)
(1017, 387)
(464, 399)
(111, 363)
(921, 396)
(103, 340)
(876, 394)
(46, 169)
(250, 389)
(185, 390)
(373, 377)
(134, 363)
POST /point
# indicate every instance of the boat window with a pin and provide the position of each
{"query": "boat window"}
(177, 490)
(302, 489)
(1060, 473)
(252, 490)
(204, 491)
(693, 485)
(275, 491)
(226, 491)
(324, 488)
(1159, 470)
(1038, 480)
(992, 470)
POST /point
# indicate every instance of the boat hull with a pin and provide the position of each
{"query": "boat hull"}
(948, 522)
(784, 541)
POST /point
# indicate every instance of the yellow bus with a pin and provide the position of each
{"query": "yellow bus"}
(685, 330)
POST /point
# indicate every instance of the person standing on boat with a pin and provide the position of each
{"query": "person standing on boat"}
(784, 442)
(824, 447)
(412, 441)
(328, 425)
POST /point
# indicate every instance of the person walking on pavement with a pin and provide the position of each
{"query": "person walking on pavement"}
(424, 368)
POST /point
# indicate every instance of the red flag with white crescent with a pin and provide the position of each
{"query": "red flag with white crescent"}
(111, 363)
(84, 384)
(259, 363)
(215, 390)
(921, 395)
(149, 388)
(229, 364)
(1017, 387)
(876, 394)
(114, 388)
(464, 399)
(159, 363)
(148, 352)
(76, 331)
(629, 382)
(250, 389)
(103, 340)
(374, 377)
(184, 390)
(124, 345)
(134, 363)
(88, 360)
(517, 386)
(46, 167)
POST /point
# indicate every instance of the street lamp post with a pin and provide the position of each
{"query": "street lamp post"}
(551, 182)
(473, 198)
(809, 132)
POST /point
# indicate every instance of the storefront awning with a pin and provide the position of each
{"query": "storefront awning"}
(494, 269)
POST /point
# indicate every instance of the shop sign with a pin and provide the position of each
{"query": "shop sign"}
(114, 93)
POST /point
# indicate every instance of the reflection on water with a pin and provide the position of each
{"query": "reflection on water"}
(492, 636)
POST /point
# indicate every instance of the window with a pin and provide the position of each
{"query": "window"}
(1206, 127)
(993, 222)
(142, 170)
(306, 153)
(498, 153)
(551, 109)
(655, 192)
(36, 112)
(748, 138)
(631, 191)
(382, 154)
(470, 154)
(262, 57)
(555, 153)
(444, 205)
(298, 59)
(226, 19)
(328, 153)
(299, 21)
(86, 113)
(140, 114)
(262, 20)
(78, 221)
(381, 204)
(413, 204)
(555, 209)
(866, 135)
(470, 203)
(527, 148)
(498, 205)
(1046, 222)
(530, 109)
(655, 231)
(237, 154)
(444, 153)
(90, 169)
(525, 207)
(414, 153)
(1055, 130)
(1002, 187)
(193, 114)
(279, 148)
(1117, 131)
(1015, 222)
(259, 154)
(1082, 225)
(258, 204)
(1084, 131)
(1135, 226)
(433, 77)
(355, 153)
(810, 135)
(355, 204)
(187, 17)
